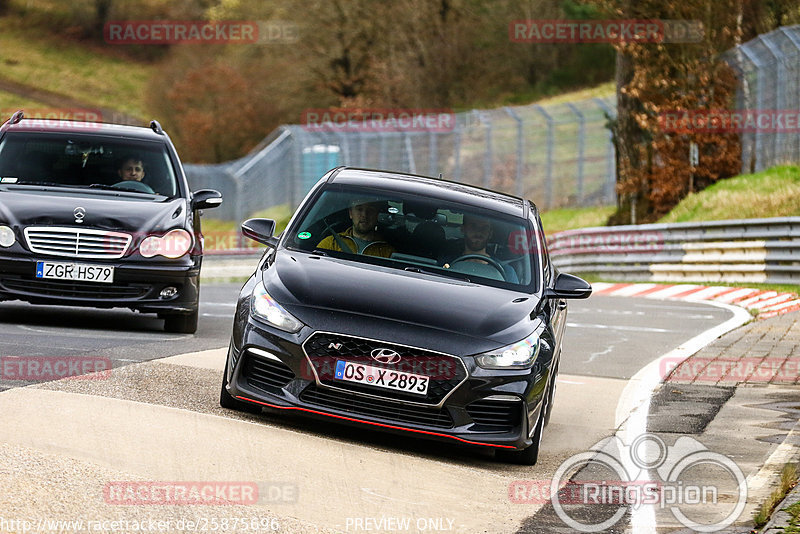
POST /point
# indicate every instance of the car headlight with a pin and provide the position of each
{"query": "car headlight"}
(7, 237)
(264, 307)
(173, 244)
(519, 355)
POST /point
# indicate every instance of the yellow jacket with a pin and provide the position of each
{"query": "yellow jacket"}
(376, 248)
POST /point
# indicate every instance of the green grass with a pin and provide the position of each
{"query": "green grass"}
(72, 69)
(774, 192)
(572, 218)
(9, 103)
(599, 91)
(220, 235)
(794, 522)
(789, 476)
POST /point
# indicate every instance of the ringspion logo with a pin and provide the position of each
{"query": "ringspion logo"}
(593, 490)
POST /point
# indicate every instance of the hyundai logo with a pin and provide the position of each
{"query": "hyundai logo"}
(387, 356)
(79, 214)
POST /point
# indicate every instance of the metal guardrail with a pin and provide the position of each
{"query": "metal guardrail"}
(735, 251)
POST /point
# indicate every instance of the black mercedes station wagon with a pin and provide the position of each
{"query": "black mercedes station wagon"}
(405, 303)
(99, 215)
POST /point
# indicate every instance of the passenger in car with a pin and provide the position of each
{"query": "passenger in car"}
(477, 232)
(362, 237)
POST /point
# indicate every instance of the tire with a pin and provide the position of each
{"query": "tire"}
(227, 401)
(530, 455)
(183, 323)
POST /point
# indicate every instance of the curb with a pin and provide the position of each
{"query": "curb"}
(780, 519)
(766, 303)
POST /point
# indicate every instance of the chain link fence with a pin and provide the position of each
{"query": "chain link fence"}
(769, 86)
(558, 155)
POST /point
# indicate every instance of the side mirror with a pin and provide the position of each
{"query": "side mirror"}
(568, 286)
(206, 198)
(260, 230)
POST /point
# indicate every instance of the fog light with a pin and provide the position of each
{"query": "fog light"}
(168, 292)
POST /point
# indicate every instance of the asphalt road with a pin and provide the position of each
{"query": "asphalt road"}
(615, 337)
(121, 335)
(371, 475)
(606, 337)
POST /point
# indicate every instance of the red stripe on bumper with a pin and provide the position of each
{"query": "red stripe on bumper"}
(376, 424)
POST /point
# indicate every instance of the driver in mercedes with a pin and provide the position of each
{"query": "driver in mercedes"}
(131, 168)
(131, 171)
(477, 231)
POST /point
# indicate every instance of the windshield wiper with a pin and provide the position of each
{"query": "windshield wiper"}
(43, 184)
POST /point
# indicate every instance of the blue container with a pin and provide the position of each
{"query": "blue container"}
(317, 160)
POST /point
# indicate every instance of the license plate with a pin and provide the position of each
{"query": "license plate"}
(82, 272)
(382, 378)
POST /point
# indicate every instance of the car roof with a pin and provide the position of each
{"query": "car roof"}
(427, 186)
(45, 125)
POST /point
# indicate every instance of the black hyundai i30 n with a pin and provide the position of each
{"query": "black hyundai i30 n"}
(99, 215)
(405, 303)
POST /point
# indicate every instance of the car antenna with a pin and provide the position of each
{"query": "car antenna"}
(16, 117)
(440, 176)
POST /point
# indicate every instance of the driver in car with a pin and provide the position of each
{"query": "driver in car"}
(131, 168)
(362, 237)
(477, 231)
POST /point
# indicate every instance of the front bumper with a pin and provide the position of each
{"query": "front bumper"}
(493, 409)
(136, 285)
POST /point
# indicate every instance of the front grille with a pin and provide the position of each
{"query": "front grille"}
(74, 290)
(77, 242)
(266, 374)
(495, 416)
(445, 372)
(355, 404)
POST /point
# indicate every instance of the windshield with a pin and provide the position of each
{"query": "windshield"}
(419, 234)
(87, 161)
